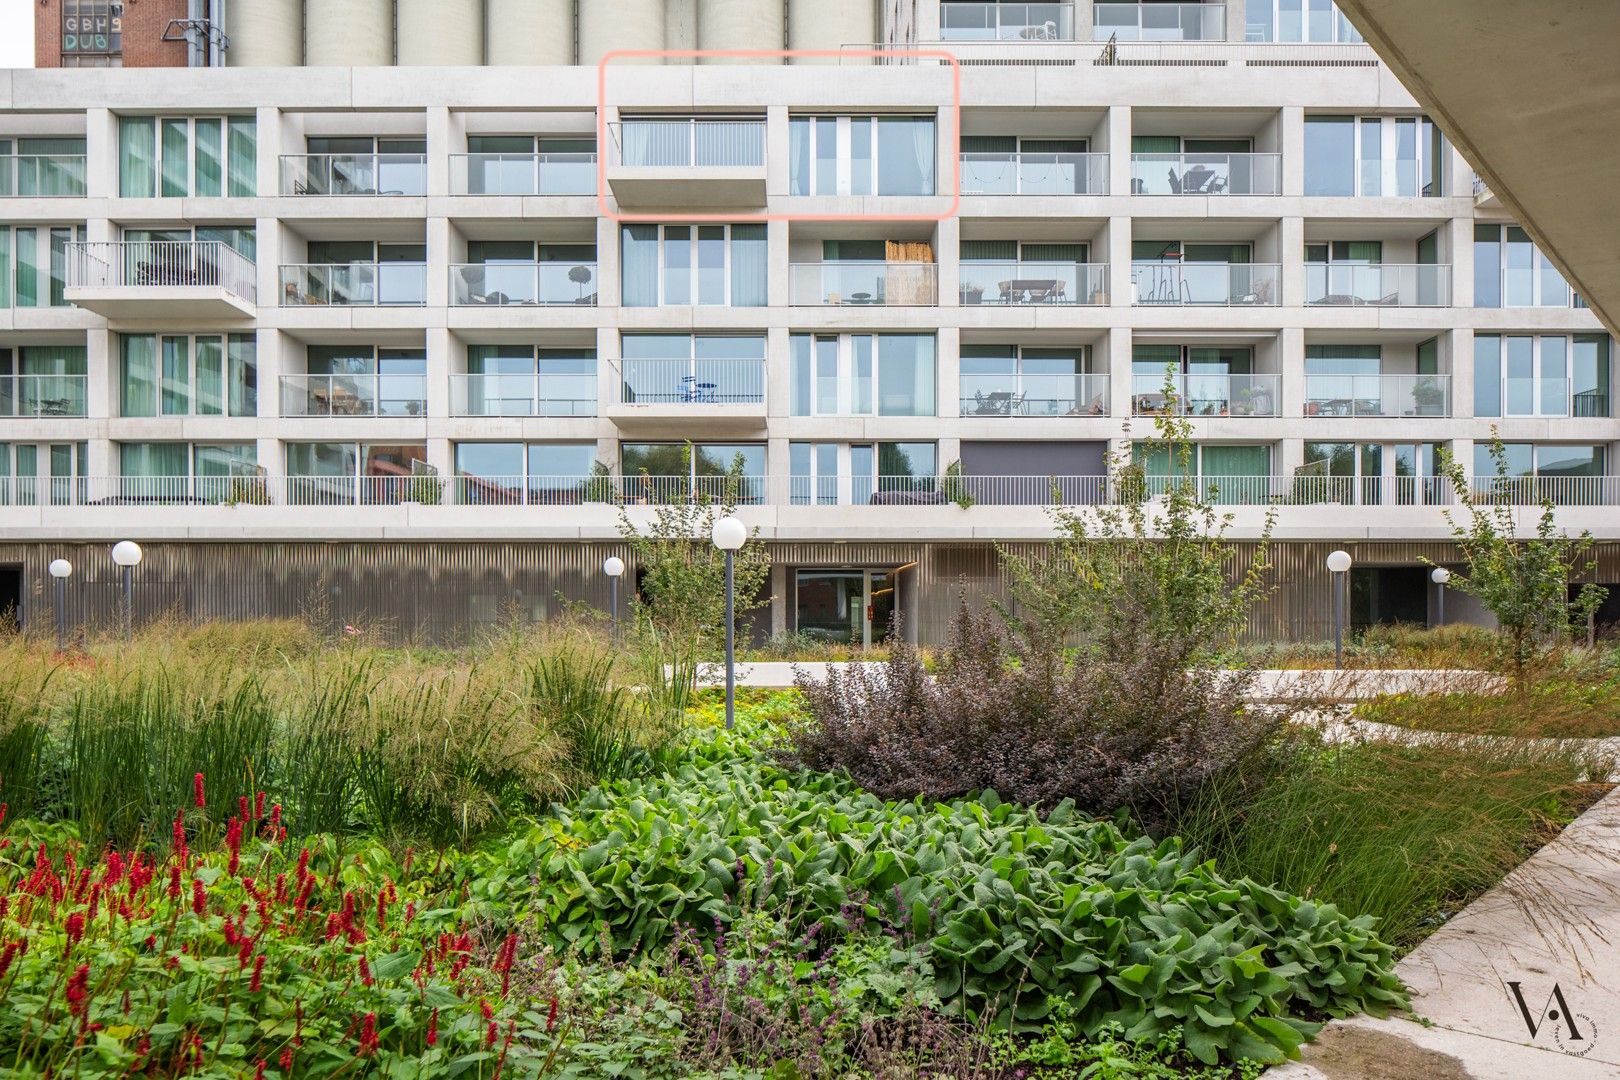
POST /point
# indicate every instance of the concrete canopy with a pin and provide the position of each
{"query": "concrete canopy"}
(1530, 94)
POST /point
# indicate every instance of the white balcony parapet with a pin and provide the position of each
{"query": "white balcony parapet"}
(523, 174)
(1187, 284)
(1382, 285)
(500, 284)
(891, 284)
(1206, 174)
(355, 284)
(354, 174)
(161, 279)
(1023, 283)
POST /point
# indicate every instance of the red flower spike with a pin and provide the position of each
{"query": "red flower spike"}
(74, 928)
(115, 868)
(275, 817)
(492, 1034)
(365, 973)
(199, 897)
(258, 1070)
(78, 990)
(551, 1017)
(242, 807)
(256, 983)
(287, 1060)
(197, 790)
(433, 1029)
(368, 1035)
(258, 807)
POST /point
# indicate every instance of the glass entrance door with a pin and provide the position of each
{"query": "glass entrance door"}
(845, 607)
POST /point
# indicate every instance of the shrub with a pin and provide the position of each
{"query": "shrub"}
(1135, 730)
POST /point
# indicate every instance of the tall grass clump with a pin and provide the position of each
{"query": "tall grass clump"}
(23, 732)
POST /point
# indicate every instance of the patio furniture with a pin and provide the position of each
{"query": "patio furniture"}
(1031, 290)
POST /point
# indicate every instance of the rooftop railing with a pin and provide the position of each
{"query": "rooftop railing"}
(969, 20)
(1207, 395)
(528, 394)
(137, 264)
(1034, 395)
(354, 395)
(661, 381)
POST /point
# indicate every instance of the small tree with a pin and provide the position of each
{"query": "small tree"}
(681, 591)
(1524, 583)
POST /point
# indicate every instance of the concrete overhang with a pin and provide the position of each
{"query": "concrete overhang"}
(665, 187)
(679, 419)
(191, 303)
(1529, 94)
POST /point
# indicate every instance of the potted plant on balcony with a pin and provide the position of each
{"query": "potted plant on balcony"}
(599, 487)
(954, 489)
(1428, 396)
(581, 276)
(423, 490)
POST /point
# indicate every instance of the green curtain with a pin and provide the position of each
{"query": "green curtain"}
(207, 140)
(27, 268)
(210, 359)
(748, 269)
(243, 375)
(57, 294)
(243, 180)
(176, 376)
(1223, 460)
(51, 360)
(1054, 253)
(1366, 251)
(139, 383)
(1155, 144)
(137, 157)
(5, 265)
(990, 250)
(176, 157)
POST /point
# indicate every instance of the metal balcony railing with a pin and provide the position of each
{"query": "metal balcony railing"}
(689, 142)
(1195, 283)
(43, 395)
(894, 284)
(42, 175)
(1382, 285)
(523, 174)
(498, 284)
(522, 395)
(1378, 395)
(356, 284)
(1206, 174)
(1034, 395)
(354, 174)
(1030, 173)
(970, 20)
(1158, 22)
(354, 395)
(1208, 395)
(137, 264)
(1021, 283)
(657, 381)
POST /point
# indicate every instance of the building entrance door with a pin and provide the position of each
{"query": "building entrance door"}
(845, 606)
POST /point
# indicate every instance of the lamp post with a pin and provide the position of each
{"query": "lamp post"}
(613, 568)
(1338, 564)
(728, 535)
(1440, 575)
(127, 553)
(61, 570)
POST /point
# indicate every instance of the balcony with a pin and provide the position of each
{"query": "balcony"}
(1382, 285)
(1035, 395)
(961, 20)
(1378, 395)
(1158, 22)
(1537, 286)
(354, 174)
(523, 174)
(519, 395)
(43, 396)
(354, 395)
(359, 284)
(1206, 174)
(42, 176)
(1208, 395)
(530, 284)
(687, 162)
(162, 279)
(1027, 283)
(890, 284)
(1034, 174)
(714, 393)
(1192, 284)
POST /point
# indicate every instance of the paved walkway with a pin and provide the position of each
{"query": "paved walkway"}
(1554, 923)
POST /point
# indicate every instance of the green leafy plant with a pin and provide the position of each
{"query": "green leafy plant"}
(953, 487)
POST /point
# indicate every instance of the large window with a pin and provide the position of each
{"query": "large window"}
(1008, 380)
(1521, 375)
(63, 484)
(656, 472)
(1510, 271)
(43, 380)
(178, 156)
(542, 474)
(340, 472)
(33, 264)
(359, 380)
(529, 165)
(670, 265)
(1403, 474)
(184, 472)
(42, 167)
(189, 375)
(707, 369)
(863, 375)
(1373, 155)
(861, 155)
(522, 380)
(1297, 21)
(1231, 474)
(827, 474)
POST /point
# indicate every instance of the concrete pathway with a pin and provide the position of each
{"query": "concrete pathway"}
(1553, 928)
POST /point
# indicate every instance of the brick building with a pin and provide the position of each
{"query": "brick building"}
(108, 33)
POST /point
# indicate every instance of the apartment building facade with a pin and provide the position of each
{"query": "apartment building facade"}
(408, 344)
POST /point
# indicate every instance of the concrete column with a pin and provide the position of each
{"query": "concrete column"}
(101, 400)
(1292, 148)
(269, 135)
(609, 376)
(607, 263)
(1237, 18)
(1116, 250)
(272, 354)
(269, 241)
(778, 373)
(777, 152)
(779, 612)
(438, 371)
(1291, 243)
(440, 139)
(948, 365)
(1116, 347)
(778, 269)
(948, 257)
(1291, 358)
(1460, 344)
(100, 154)
(1459, 236)
(1118, 127)
(438, 239)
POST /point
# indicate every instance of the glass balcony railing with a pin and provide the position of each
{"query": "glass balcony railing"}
(42, 176)
(962, 20)
(1208, 395)
(679, 143)
(1034, 395)
(1158, 22)
(1020, 283)
(43, 395)
(523, 174)
(354, 174)
(358, 284)
(1378, 395)
(1383, 285)
(1197, 283)
(892, 284)
(661, 381)
(1541, 286)
(1029, 173)
(522, 395)
(354, 395)
(1206, 174)
(500, 284)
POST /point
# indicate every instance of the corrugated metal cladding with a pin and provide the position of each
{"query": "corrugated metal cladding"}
(445, 592)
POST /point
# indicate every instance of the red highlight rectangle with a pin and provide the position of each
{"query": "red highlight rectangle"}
(955, 193)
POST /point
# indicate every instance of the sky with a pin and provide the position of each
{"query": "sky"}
(17, 33)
